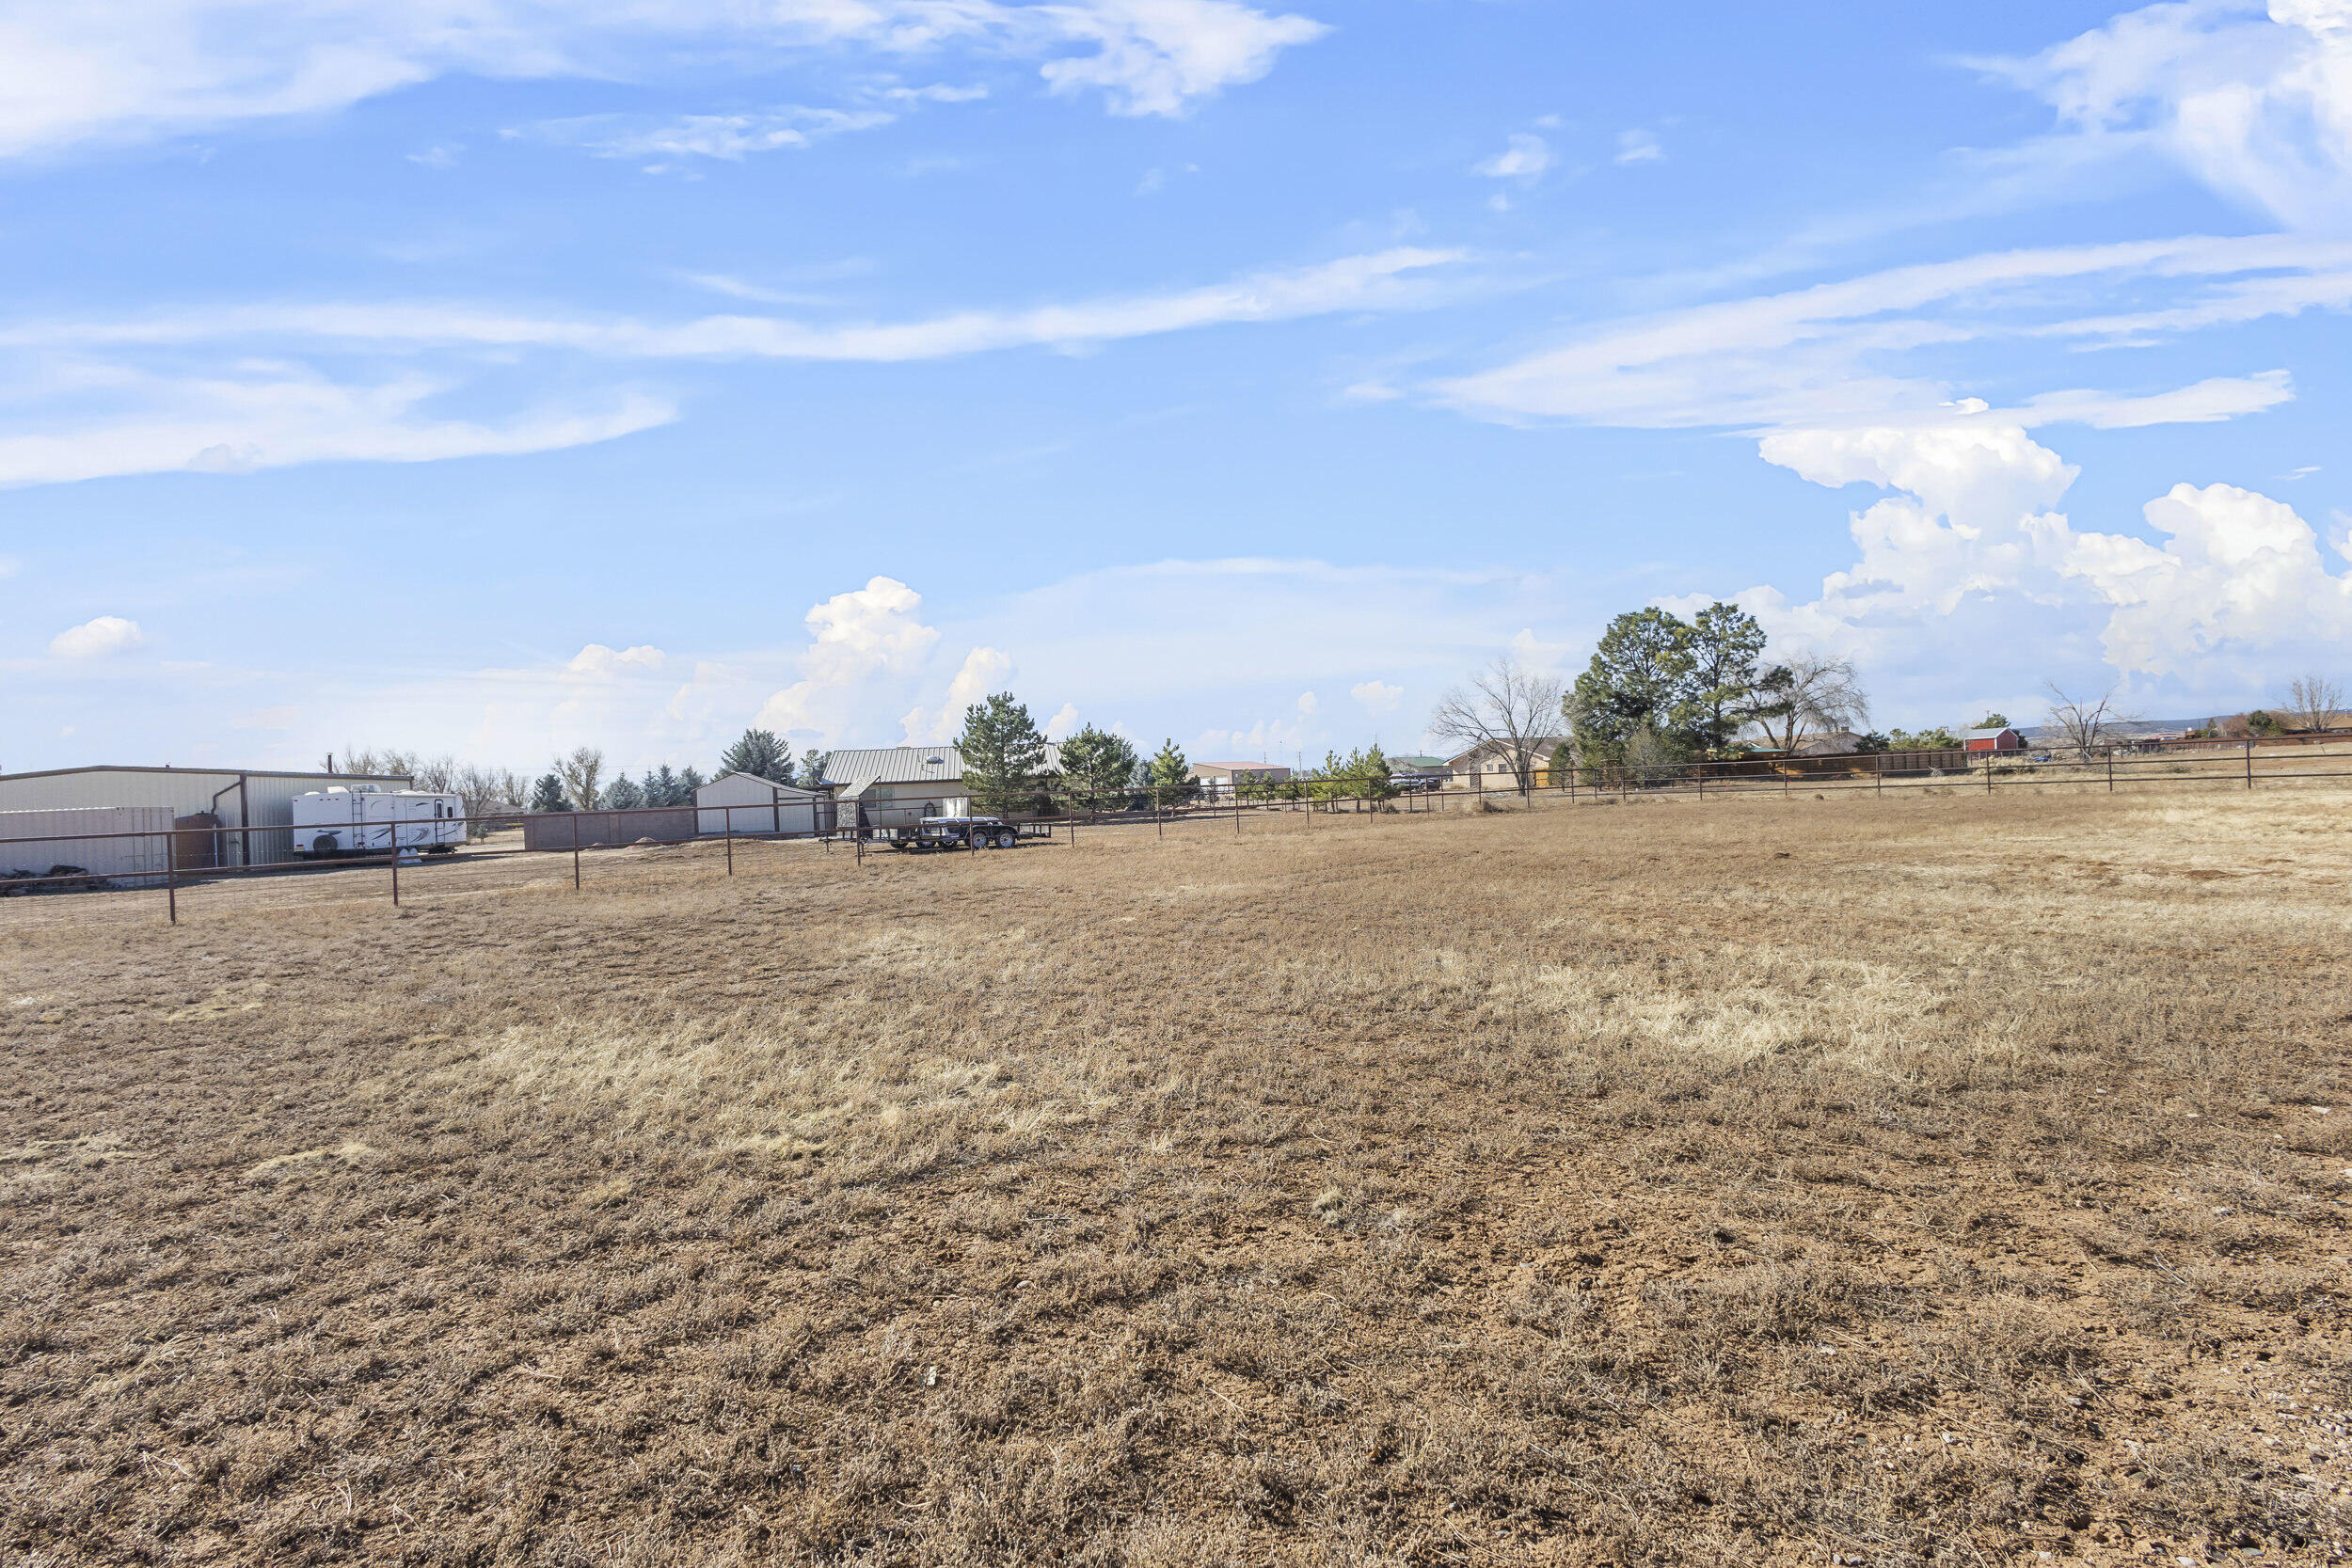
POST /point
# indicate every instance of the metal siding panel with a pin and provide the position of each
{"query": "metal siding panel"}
(106, 857)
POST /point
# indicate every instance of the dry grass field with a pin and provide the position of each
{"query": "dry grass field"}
(1935, 1179)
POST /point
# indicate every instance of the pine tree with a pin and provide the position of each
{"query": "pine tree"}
(625, 794)
(1169, 775)
(690, 778)
(548, 795)
(1095, 767)
(661, 788)
(1004, 758)
(760, 754)
(813, 766)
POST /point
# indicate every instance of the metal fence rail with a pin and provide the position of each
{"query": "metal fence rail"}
(2241, 766)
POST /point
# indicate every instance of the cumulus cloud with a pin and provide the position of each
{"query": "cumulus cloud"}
(2236, 573)
(1523, 158)
(608, 663)
(1973, 520)
(1307, 704)
(1376, 697)
(982, 668)
(107, 634)
(1264, 740)
(1063, 724)
(113, 70)
(855, 636)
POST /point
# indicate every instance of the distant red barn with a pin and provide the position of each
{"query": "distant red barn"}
(1993, 740)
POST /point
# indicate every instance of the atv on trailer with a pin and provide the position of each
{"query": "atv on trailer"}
(960, 833)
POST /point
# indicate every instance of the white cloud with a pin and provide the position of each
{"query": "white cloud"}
(1638, 147)
(1843, 352)
(108, 634)
(1524, 158)
(91, 406)
(113, 70)
(1307, 704)
(982, 668)
(1383, 279)
(1377, 697)
(1063, 724)
(606, 663)
(1155, 56)
(1264, 741)
(2236, 573)
(267, 416)
(855, 636)
(1973, 531)
(2257, 106)
(729, 137)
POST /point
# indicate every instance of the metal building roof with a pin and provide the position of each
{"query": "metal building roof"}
(853, 772)
(225, 772)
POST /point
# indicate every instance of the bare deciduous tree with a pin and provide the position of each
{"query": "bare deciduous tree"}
(2083, 725)
(2313, 701)
(1509, 708)
(484, 792)
(1811, 694)
(582, 772)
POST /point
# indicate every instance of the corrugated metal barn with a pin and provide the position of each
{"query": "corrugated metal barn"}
(259, 798)
(33, 842)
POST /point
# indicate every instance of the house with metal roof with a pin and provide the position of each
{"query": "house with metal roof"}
(895, 786)
(2001, 739)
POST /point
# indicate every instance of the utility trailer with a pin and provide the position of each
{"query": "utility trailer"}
(331, 823)
(963, 833)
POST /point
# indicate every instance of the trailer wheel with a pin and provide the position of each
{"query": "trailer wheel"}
(325, 845)
(1008, 839)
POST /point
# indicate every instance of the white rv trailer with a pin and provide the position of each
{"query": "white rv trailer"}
(370, 821)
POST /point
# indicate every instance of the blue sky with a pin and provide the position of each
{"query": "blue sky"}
(494, 376)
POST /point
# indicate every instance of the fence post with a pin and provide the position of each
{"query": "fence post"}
(1879, 773)
(730, 820)
(1988, 773)
(2110, 770)
(574, 820)
(2250, 762)
(171, 883)
(395, 836)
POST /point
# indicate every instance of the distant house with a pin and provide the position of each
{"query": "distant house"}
(1417, 767)
(1223, 777)
(896, 786)
(743, 803)
(1487, 765)
(2003, 739)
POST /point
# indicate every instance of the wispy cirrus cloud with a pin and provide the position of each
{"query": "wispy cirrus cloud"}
(121, 70)
(1858, 349)
(98, 397)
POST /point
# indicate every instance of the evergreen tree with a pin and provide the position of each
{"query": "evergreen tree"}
(1992, 722)
(1004, 758)
(813, 766)
(1095, 769)
(625, 794)
(1169, 775)
(1724, 644)
(1643, 676)
(661, 788)
(690, 778)
(760, 754)
(548, 793)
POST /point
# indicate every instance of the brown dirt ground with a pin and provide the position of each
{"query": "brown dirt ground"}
(1937, 1179)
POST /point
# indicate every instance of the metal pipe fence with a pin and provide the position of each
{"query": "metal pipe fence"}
(416, 844)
